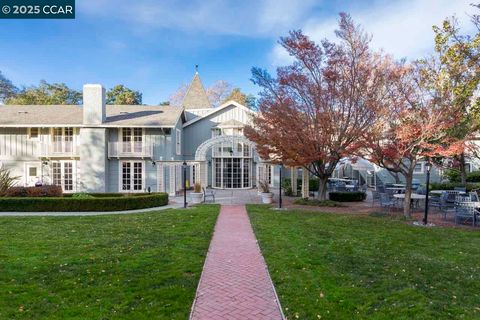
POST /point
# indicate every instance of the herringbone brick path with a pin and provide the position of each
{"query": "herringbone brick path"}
(235, 283)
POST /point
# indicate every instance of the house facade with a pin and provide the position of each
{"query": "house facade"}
(96, 147)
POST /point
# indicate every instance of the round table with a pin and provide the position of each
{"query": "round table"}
(413, 197)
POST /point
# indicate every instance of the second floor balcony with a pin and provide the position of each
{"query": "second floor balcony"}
(59, 148)
(130, 150)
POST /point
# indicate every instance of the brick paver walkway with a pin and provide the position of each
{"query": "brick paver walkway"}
(235, 283)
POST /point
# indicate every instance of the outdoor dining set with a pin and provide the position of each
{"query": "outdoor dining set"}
(463, 206)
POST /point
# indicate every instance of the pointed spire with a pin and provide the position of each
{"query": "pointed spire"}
(196, 97)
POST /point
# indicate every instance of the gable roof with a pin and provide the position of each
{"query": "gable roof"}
(72, 115)
(218, 109)
(196, 96)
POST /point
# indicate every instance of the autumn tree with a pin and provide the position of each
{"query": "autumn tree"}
(122, 95)
(218, 92)
(316, 111)
(46, 93)
(415, 125)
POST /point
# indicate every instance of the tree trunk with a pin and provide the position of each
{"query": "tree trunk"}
(322, 188)
(463, 171)
(408, 196)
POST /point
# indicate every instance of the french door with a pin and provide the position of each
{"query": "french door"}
(62, 139)
(132, 140)
(63, 175)
(132, 176)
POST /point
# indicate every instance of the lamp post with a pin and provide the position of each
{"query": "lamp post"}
(428, 167)
(280, 188)
(184, 166)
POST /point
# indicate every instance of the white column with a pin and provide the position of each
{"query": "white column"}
(205, 173)
(293, 179)
(172, 180)
(160, 178)
(305, 181)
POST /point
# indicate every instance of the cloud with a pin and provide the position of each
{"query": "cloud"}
(402, 28)
(246, 18)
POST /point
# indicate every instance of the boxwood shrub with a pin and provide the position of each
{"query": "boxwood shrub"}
(346, 196)
(452, 185)
(70, 204)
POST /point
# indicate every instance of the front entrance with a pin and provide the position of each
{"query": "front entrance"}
(32, 174)
(232, 173)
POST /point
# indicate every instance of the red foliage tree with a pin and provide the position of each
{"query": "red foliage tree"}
(415, 126)
(317, 110)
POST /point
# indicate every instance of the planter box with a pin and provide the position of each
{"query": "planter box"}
(267, 198)
(196, 198)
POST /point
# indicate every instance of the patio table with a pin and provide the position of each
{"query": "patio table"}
(413, 197)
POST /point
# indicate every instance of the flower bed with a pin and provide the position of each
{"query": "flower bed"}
(347, 196)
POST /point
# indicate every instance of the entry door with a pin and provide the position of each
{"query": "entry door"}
(32, 174)
(63, 175)
(132, 176)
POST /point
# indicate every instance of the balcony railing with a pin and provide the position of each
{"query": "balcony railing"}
(130, 150)
(60, 148)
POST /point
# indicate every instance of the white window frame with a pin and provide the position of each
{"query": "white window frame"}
(37, 138)
(120, 176)
(178, 142)
(470, 166)
(63, 140)
(132, 140)
(422, 170)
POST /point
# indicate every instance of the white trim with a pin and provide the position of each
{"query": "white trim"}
(120, 176)
(422, 170)
(178, 142)
(62, 174)
(82, 126)
(217, 109)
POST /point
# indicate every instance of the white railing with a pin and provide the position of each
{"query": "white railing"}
(59, 148)
(130, 149)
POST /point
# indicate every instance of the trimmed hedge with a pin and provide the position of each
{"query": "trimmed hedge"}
(347, 196)
(473, 176)
(70, 204)
(452, 185)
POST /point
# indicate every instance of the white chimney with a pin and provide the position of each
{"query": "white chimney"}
(93, 104)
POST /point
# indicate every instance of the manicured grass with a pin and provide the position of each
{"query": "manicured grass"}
(317, 203)
(141, 266)
(356, 267)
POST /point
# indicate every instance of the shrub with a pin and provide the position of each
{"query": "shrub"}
(264, 186)
(452, 185)
(453, 175)
(317, 203)
(346, 196)
(7, 181)
(197, 187)
(82, 195)
(69, 204)
(473, 176)
(43, 191)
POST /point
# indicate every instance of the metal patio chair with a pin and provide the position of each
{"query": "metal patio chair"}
(466, 211)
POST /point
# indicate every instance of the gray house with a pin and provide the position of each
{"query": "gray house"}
(125, 148)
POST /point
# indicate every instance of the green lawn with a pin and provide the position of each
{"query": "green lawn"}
(331, 266)
(139, 266)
